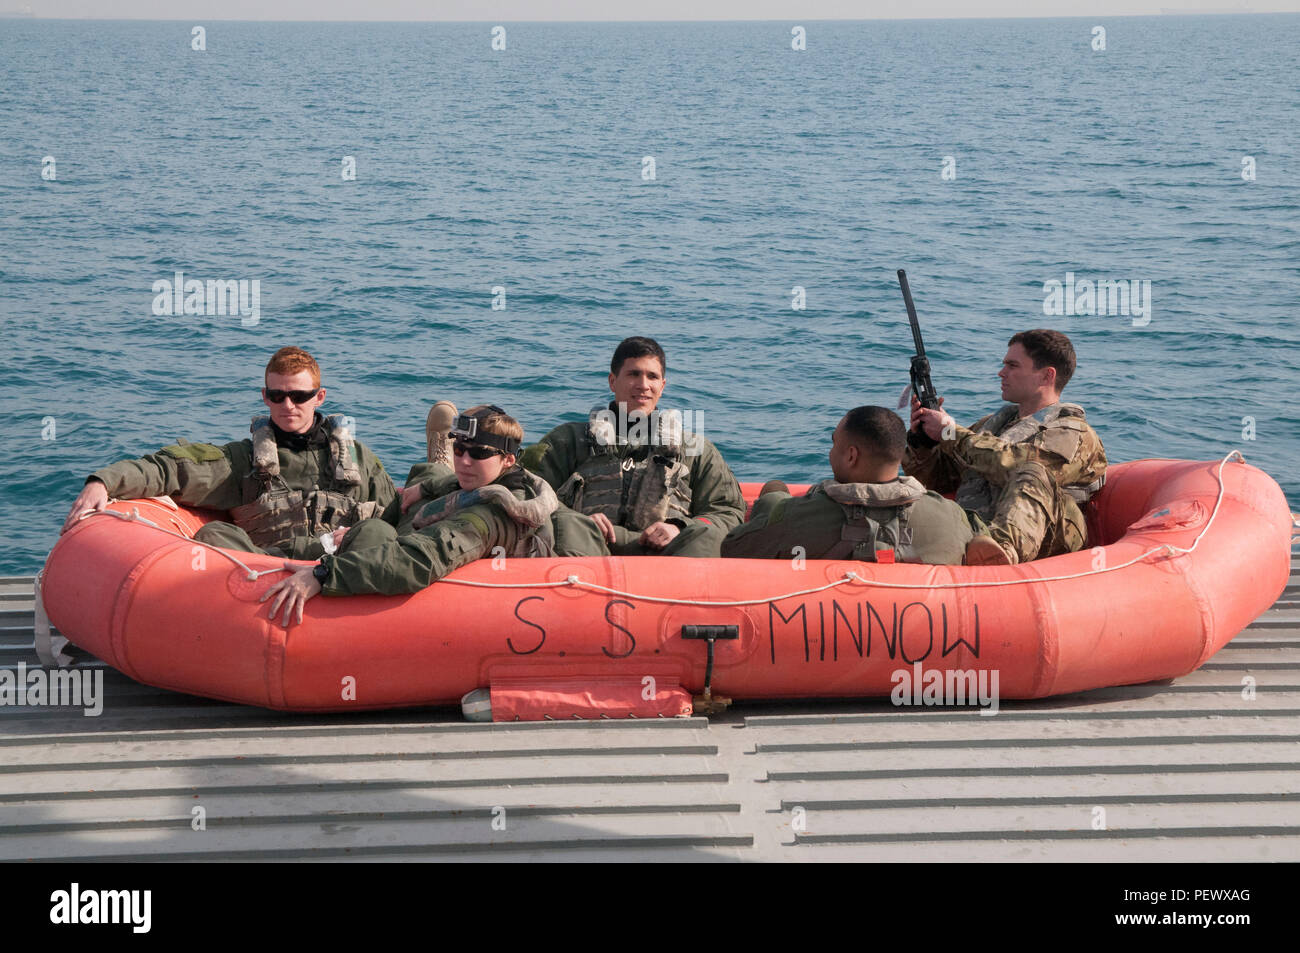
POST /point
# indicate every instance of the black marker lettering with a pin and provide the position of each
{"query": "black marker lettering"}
(526, 622)
(929, 619)
(892, 645)
(631, 648)
(836, 613)
(771, 627)
(975, 649)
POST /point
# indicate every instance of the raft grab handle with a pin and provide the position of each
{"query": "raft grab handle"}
(706, 704)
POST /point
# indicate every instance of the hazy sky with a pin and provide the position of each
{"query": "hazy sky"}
(524, 10)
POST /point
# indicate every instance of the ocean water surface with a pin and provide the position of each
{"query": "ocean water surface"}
(526, 169)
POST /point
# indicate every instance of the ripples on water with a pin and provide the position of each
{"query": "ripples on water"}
(523, 169)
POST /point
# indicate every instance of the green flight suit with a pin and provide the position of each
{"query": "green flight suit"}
(206, 476)
(1021, 480)
(402, 553)
(813, 525)
(716, 503)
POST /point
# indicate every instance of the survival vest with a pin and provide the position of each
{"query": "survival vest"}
(976, 494)
(279, 512)
(636, 478)
(875, 518)
(532, 513)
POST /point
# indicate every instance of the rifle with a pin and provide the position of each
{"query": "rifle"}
(922, 386)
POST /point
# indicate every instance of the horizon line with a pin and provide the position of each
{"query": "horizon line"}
(18, 15)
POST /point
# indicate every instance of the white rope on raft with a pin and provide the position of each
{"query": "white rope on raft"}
(849, 577)
(1167, 549)
(252, 575)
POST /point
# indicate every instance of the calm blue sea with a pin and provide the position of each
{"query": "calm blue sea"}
(525, 168)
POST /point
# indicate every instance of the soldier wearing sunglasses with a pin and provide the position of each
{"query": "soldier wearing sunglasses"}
(489, 504)
(299, 475)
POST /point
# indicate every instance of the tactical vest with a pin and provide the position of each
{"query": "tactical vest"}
(633, 493)
(533, 512)
(875, 518)
(977, 494)
(278, 512)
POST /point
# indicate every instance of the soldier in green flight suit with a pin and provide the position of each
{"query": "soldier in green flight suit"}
(866, 511)
(298, 476)
(1023, 473)
(632, 483)
(489, 504)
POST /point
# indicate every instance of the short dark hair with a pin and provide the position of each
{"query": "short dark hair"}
(637, 347)
(1048, 348)
(880, 431)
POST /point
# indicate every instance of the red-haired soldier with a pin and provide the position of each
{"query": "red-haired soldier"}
(299, 475)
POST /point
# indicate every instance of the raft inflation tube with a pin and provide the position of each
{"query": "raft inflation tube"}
(1187, 554)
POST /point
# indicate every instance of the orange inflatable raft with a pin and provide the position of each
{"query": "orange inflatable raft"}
(1190, 554)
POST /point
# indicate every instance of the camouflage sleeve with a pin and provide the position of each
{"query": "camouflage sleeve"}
(715, 492)
(375, 479)
(195, 474)
(935, 468)
(555, 456)
(1067, 448)
(932, 468)
(415, 560)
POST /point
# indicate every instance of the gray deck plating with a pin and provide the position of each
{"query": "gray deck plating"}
(1174, 771)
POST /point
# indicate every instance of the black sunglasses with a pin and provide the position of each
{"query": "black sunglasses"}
(297, 396)
(476, 452)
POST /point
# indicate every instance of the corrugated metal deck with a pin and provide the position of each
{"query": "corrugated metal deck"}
(1178, 771)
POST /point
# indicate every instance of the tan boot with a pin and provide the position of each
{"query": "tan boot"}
(987, 551)
(436, 428)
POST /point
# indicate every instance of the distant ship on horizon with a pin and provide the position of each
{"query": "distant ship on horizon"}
(10, 14)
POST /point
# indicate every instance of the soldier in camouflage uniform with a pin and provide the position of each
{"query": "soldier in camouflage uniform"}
(299, 475)
(488, 505)
(1023, 473)
(630, 481)
(866, 512)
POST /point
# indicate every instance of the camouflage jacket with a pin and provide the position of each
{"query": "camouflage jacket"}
(976, 461)
(214, 477)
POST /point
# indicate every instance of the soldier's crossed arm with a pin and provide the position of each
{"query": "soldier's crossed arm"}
(414, 561)
(1055, 448)
(935, 469)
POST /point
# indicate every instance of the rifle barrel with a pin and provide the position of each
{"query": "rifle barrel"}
(911, 313)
